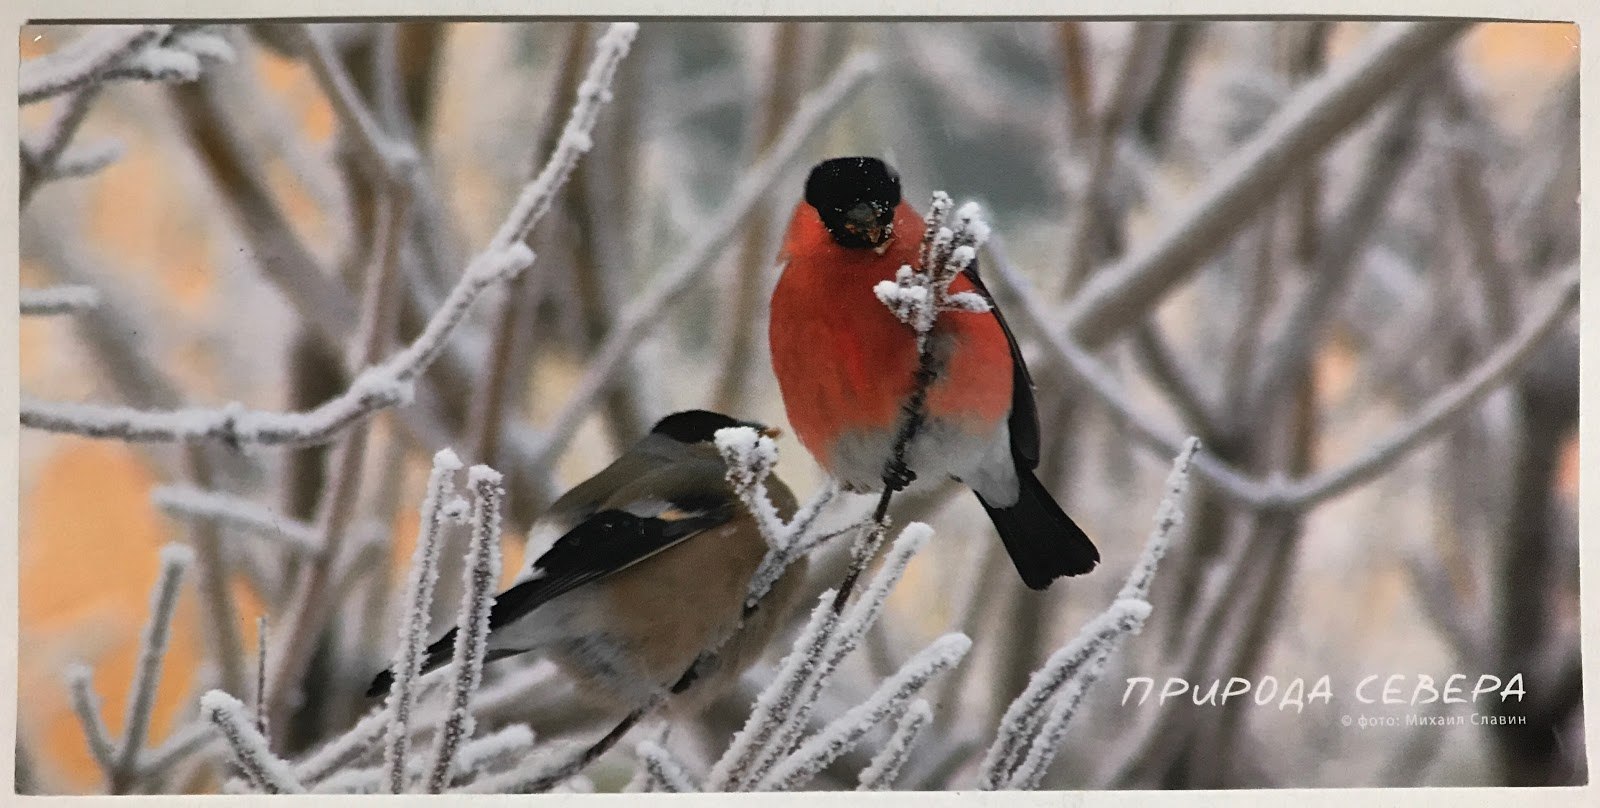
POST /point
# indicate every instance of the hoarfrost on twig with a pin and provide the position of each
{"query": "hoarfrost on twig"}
(644, 311)
(238, 513)
(265, 770)
(482, 573)
(407, 664)
(844, 732)
(86, 704)
(664, 770)
(375, 388)
(1031, 730)
(880, 774)
(175, 559)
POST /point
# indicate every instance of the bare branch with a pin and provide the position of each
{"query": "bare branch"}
(238, 513)
(644, 312)
(376, 388)
(58, 300)
(1307, 123)
(86, 705)
(84, 61)
(175, 559)
(266, 771)
(885, 767)
(408, 658)
(482, 572)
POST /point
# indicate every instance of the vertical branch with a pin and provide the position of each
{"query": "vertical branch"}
(750, 275)
(311, 601)
(482, 573)
(86, 705)
(517, 304)
(1077, 81)
(261, 676)
(408, 659)
(175, 559)
(1090, 219)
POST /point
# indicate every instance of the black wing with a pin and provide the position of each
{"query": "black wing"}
(1024, 421)
(607, 542)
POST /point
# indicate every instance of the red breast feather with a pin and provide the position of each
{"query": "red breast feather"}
(845, 363)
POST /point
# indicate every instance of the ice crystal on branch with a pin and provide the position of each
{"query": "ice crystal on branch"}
(918, 294)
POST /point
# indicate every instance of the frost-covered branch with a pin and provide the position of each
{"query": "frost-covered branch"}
(58, 300)
(676, 279)
(576, 137)
(495, 753)
(482, 573)
(175, 559)
(917, 296)
(86, 705)
(407, 664)
(261, 676)
(238, 513)
(84, 60)
(1033, 726)
(736, 768)
(880, 774)
(844, 732)
(851, 629)
(161, 53)
(266, 771)
(750, 458)
(1559, 299)
(378, 387)
(393, 158)
(182, 743)
(346, 749)
(664, 771)
(781, 712)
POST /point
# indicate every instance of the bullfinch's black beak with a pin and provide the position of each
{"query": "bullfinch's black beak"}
(867, 221)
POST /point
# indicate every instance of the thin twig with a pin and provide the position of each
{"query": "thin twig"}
(644, 312)
(83, 61)
(391, 157)
(880, 774)
(236, 512)
(58, 300)
(1426, 423)
(175, 559)
(267, 771)
(408, 658)
(482, 573)
(86, 705)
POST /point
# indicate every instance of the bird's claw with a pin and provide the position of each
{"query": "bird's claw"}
(897, 476)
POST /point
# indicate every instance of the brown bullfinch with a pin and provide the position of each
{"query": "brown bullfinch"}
(653, 571)
(846, 366)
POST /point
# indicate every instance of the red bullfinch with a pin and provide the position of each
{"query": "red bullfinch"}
(846, 365)
(653, 571)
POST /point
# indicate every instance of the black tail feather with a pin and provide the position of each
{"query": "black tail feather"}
(436, 656)
(1044, 543)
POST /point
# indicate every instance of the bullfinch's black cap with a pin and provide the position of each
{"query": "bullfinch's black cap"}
(699, 426)
(856, 198)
